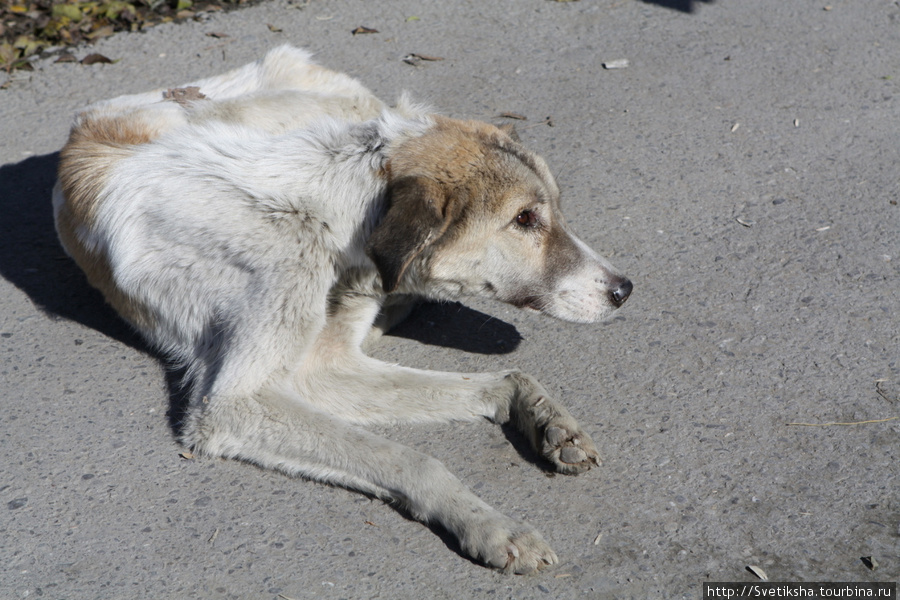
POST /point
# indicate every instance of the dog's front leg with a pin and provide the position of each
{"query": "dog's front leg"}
(363, 390)
(337, 378)
(551, 429)
(280, 431)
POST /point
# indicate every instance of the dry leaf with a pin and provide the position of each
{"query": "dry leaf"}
(69, 11)
(92, 59)
(186, 455)
(274, 29)
(100, 33)
(735, 127)
(65, 57)
(362, 29)
(183, 96)
(758, 572)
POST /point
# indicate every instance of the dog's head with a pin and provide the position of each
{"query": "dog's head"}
(472, 212)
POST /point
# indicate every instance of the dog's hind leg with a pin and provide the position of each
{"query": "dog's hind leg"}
(281, 432)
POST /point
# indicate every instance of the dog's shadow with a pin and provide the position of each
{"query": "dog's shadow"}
(32, 259)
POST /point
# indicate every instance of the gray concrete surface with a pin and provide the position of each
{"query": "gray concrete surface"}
(744, 170)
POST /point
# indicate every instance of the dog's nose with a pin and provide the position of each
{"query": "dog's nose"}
(620, 293)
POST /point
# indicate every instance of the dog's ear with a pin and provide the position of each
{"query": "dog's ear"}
(417, 215)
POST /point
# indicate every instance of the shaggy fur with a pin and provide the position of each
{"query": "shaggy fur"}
(254, 225)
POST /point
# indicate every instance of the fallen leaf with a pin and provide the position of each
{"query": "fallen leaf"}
(870, 562)
(69, 11)
(100, 33)
(183, 96)
(735, 127)
(362, 29)
(414, 59)
(8, 55)
(758, 572)
(186, 455)
(371, 523)
(274, 29)
(408, 19)
(66, 57)
(92, 59)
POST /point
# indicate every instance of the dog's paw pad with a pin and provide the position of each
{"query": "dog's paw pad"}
(570, 450)
(571, 455)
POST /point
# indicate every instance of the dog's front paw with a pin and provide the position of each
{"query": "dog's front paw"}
(569, 448)
(511, 547)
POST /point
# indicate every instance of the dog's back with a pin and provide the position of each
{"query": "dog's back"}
(282, 92)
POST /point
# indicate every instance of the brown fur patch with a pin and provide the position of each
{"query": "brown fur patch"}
(95, 145)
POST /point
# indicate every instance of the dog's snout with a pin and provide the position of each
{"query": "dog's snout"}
(619, 294)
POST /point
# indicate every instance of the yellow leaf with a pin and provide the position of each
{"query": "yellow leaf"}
(18, 9)
(183, 4)
(7, 53)
(69, 11)
(102, 32)
(28, 45)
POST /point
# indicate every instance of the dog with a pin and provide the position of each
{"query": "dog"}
(258, 226)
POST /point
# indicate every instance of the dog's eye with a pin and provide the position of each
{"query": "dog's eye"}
(527, 219)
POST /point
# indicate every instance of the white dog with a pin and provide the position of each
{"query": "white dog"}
(254, 225)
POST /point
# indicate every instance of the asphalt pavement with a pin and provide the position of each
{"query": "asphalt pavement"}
(742, 168)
